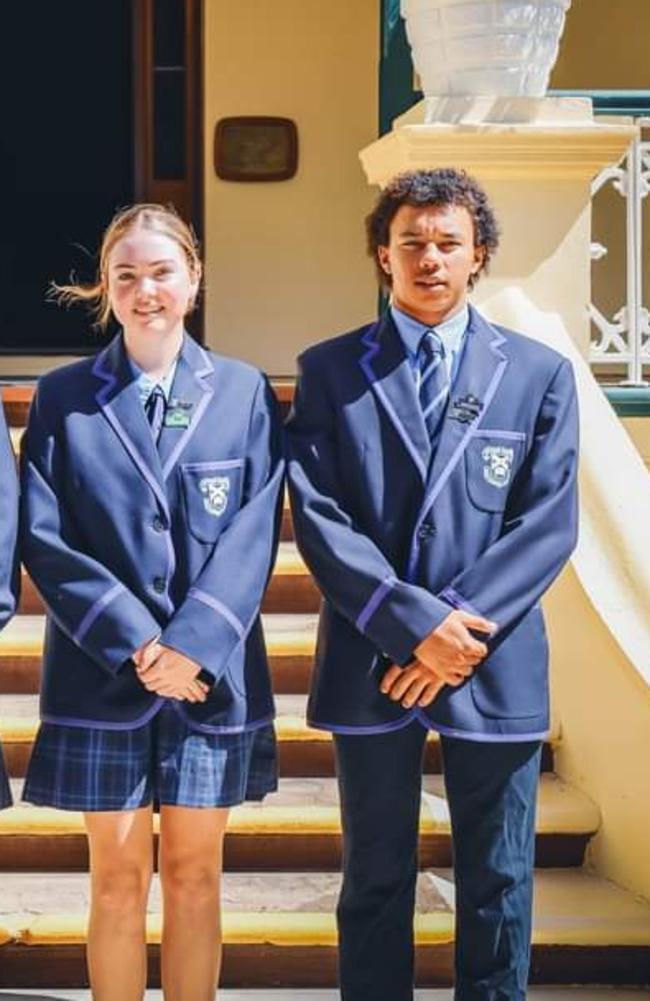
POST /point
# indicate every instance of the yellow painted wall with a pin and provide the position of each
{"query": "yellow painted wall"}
(285, 262)
(605, 46)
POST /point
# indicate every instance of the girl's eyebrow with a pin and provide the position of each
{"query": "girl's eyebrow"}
(151, 264)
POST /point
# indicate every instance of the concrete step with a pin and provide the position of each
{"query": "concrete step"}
(303, 751)
(290, 641)
(291, 588)
(280, 931)
(298, 828)
(572, 993)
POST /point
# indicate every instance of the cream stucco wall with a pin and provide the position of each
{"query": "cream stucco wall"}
(285, 262)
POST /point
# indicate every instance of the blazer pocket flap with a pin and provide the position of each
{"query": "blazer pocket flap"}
(492, 459)
(211, 494)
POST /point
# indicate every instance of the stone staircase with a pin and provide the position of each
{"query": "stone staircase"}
(282, 856)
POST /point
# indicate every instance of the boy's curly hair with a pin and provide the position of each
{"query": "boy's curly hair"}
(444, 186)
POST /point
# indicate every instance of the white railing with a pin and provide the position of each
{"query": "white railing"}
(624, 340)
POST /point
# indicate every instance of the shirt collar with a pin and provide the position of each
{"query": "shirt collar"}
(145, 384)
(450, 332)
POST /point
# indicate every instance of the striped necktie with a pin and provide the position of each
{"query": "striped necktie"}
(433, 383)
(155, 408)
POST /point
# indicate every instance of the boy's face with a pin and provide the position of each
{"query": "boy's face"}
(430, 258)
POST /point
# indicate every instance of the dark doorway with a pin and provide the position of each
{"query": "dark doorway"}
(66, 160)
(101, 107)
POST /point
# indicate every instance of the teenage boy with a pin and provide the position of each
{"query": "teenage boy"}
(433, 478)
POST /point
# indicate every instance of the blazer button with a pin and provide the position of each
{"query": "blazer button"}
(427, 530)
(158, 524)
(159, 585)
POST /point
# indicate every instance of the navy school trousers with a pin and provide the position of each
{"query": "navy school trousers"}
(492, 792)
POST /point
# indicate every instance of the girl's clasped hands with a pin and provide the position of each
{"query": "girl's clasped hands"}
(168, 673)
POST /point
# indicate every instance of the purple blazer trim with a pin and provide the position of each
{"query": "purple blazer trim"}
(361, 730)
(171, 570)
(196, 419)
(207, 728)
(95, 610)
(486, 738)
(375, 601)
(454, 458)
(457, 601)
(112, 417)
(98, 724)
(369, 339)
(217, 606)
(495, 433)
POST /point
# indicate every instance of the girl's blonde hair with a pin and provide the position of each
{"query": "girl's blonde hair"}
(159, 218)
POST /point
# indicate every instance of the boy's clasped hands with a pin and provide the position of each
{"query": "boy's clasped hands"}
(447, 656)
(169, 673)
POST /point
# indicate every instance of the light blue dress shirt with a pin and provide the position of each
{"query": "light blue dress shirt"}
(145, 384)
(451, 333)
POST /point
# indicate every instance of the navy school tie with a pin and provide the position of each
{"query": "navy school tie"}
(155, 408)
(433, 383)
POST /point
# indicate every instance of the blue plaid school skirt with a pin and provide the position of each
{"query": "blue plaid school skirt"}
(5, 791)
(165, 762)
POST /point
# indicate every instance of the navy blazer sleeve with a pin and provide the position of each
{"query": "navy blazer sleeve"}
(96, 610)
(9, 566)
(541, 518)
(349, 568)
(224, 601)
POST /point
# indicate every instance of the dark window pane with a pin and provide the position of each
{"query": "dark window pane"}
(169, 33)
(169, 125)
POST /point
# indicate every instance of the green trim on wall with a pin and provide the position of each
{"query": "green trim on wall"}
(396, 93)
(613, 102)
(629, 401)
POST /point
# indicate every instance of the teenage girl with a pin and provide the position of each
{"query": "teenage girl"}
(9, 577)
(151, 485)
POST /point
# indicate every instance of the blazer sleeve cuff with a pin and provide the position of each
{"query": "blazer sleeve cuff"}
(400, 617)
(456, 600)
(209, 643)
(114, 627)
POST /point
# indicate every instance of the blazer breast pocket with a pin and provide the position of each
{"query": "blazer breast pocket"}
(211, 495)
(492, 459)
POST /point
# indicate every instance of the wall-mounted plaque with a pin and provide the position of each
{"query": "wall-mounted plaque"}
(255, 148)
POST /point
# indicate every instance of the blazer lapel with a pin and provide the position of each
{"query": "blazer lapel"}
(481, 369)
(191, 393)
(388, 370)
(120, 404)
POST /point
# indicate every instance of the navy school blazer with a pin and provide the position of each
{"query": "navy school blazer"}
(126, 540)
(396, 537)
(9, 566)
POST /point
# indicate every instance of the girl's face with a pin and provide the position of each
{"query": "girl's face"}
(150, 287)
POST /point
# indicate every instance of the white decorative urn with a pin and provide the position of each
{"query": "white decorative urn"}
(501, 48)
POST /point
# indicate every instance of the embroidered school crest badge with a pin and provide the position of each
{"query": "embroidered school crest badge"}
(215, 491)
(498, 465)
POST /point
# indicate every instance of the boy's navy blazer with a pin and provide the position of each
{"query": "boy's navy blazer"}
(396, 536)
(127, 541)
(9, 567)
